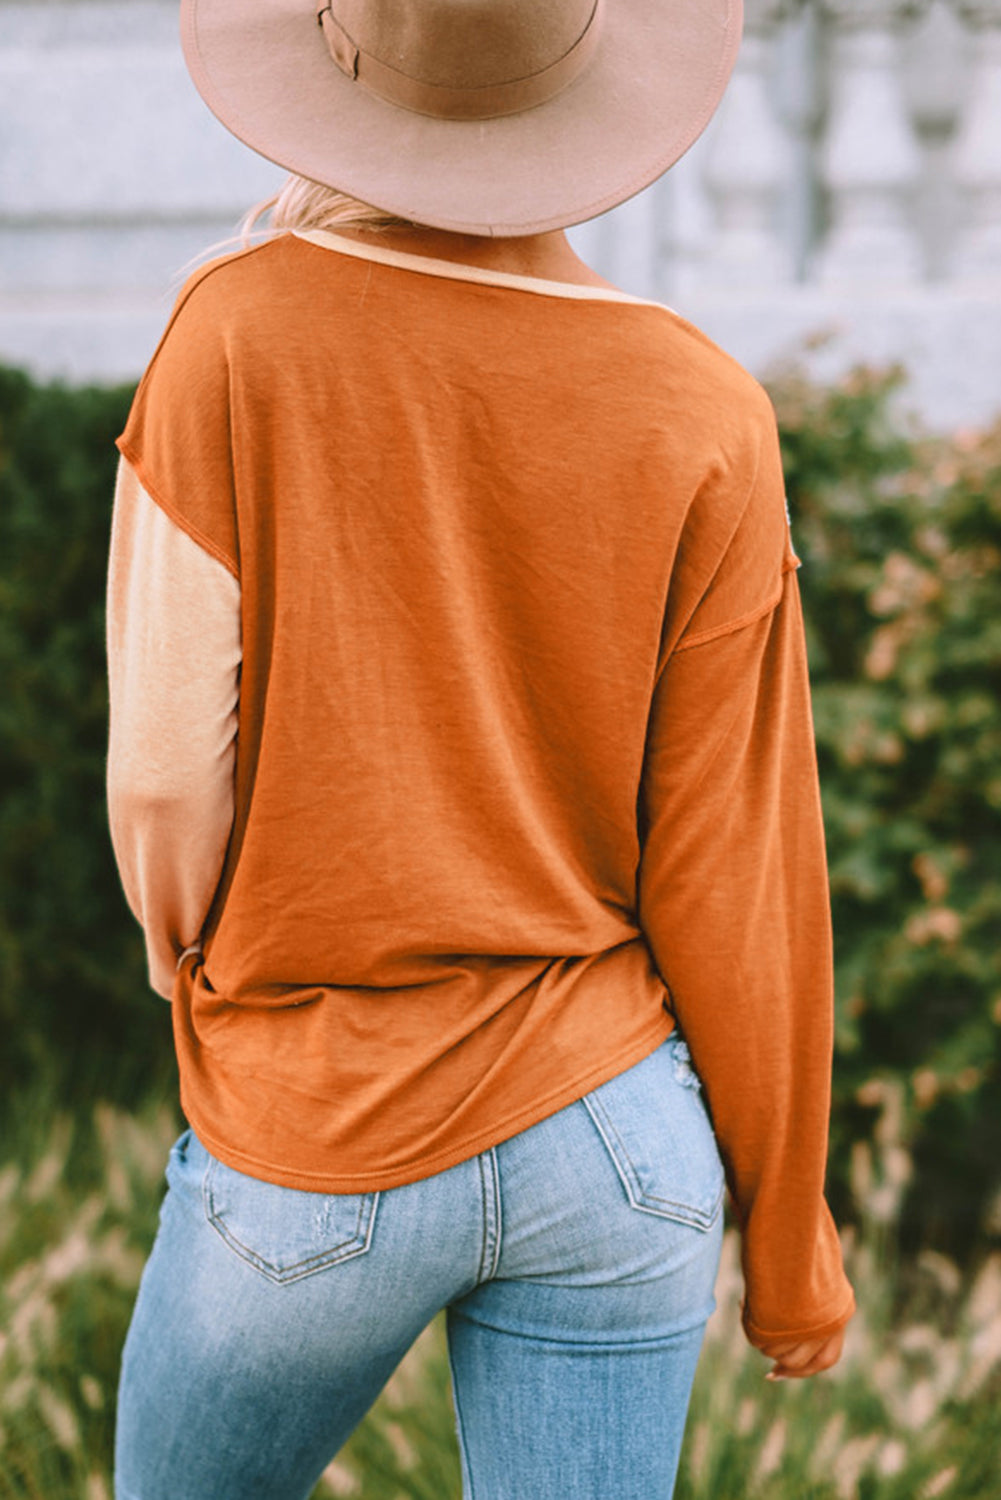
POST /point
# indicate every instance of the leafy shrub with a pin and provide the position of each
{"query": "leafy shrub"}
(71, 963)
(901, 540)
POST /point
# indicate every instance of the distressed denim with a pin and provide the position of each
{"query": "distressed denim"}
(576, 1262)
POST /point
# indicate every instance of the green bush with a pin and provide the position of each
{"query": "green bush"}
(72, 987)
(901, 541)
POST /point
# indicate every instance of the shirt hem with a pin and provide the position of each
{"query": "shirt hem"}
(439, 1161)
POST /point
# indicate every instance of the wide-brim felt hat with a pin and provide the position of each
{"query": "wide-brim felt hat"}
(488, 117)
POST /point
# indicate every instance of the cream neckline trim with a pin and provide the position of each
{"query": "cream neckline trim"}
(406, 260)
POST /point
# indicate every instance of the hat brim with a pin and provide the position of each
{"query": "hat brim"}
(657, 75)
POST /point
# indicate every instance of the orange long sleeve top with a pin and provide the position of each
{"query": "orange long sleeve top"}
(520, 770)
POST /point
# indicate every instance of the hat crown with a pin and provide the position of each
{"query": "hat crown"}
(464, 44)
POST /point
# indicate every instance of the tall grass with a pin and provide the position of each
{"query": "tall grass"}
(912, 1410)
(77, 1214)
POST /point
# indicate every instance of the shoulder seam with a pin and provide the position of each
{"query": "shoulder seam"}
(152, 489)
(732, 626)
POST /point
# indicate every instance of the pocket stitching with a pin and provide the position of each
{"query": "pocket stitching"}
(359, 1242)
(642, 1201)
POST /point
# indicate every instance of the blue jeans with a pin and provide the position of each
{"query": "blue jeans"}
(577, 1262)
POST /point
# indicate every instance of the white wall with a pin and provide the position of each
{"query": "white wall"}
(842, 198)
(113, 174)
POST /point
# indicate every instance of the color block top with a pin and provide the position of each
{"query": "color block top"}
(461, 738)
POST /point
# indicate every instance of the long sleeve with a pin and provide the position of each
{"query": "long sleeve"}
(734, 902)
(174, 653)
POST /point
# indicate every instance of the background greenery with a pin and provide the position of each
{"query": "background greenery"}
(900, 535)
(901, 541)
(73, 996)
(911, 1412)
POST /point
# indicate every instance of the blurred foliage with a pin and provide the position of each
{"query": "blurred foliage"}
(912, 1410)
(900, 535)
(73, 998)
(901, 541)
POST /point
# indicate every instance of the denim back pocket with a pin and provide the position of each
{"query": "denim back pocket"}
(284, 1233)
(658, 1134)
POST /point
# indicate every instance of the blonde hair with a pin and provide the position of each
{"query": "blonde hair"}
(303, 204)
(299, 204)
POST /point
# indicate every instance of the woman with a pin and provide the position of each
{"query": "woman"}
(461, 775)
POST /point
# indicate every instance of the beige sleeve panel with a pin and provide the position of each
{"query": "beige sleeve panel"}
(174, 656)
